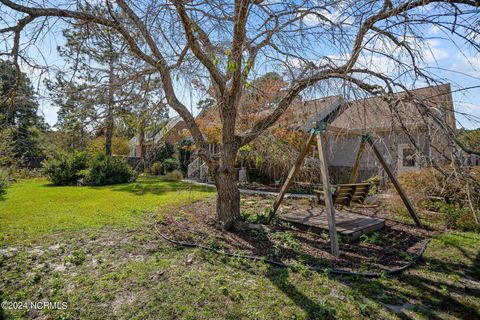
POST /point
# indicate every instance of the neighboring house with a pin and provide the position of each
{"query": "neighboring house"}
(172, 131)
(374, 116)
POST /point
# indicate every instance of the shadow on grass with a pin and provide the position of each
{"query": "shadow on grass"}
(280, 279)
(432, 289)
(315, 310)
(157, 187)
(146, 185)
(443, 284)
(424, 291)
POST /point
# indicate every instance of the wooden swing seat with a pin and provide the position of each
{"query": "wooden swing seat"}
(345, 194)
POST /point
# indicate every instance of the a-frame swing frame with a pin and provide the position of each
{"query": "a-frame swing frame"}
(318, 132)
(316, 127)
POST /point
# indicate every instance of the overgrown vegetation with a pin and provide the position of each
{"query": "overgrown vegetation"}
(374, 182)
(21, 127)
(160, 152)
(174, 175)
(453, 215)
(156, 168)
(120, 145)
(184, 153)
(169, 165)
(471, 138)
(455, 196)
(375, 238)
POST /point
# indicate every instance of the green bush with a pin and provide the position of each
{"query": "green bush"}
(156, 168)
(103, 170)
(4, 181)
(170, 164)
(175, 175)
(374, 183)
(65, 169)
(160, 152)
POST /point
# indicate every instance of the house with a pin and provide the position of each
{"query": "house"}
(396, 131)
(424, 144)
(389, 127)
(172, 130)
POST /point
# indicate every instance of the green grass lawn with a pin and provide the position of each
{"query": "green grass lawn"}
(123, 269)
(34, 208)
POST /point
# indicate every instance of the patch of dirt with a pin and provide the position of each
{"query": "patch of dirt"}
(392, 247)
(122, 300)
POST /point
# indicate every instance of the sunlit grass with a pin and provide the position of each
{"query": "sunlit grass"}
(33, 208)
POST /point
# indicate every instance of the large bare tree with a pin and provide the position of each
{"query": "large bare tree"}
(226, 44)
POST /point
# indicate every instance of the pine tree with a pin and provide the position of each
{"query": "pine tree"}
(94, 88)
(101, 87)
(19, 119)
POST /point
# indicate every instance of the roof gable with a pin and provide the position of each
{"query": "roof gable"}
(376, 113)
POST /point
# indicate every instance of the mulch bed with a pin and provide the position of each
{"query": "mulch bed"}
(389, 248)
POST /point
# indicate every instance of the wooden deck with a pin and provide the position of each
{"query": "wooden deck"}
(349, 225)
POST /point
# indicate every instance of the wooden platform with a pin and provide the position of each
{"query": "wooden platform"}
(349, 225)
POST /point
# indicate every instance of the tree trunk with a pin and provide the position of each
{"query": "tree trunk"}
(141, 138)
(110, 104)
(109, 131)
(228, 198)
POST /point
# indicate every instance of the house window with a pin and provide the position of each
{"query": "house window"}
(408, 157)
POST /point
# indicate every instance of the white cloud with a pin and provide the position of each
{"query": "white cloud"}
(385, 57)
(469, 108)
(434, 29)
(432, 51)
(467, 64)
(335, 16)
(468, 114)
(36, 74)
(49, 112)
(434, 54)
(294, 63)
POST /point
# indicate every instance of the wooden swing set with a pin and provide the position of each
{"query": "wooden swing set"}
(343, 194)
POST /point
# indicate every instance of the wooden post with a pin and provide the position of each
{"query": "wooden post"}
(290, 176)
(327, 193)
(356, 165)
(396, 184)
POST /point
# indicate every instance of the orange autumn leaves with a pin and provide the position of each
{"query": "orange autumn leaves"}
(259, 99)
